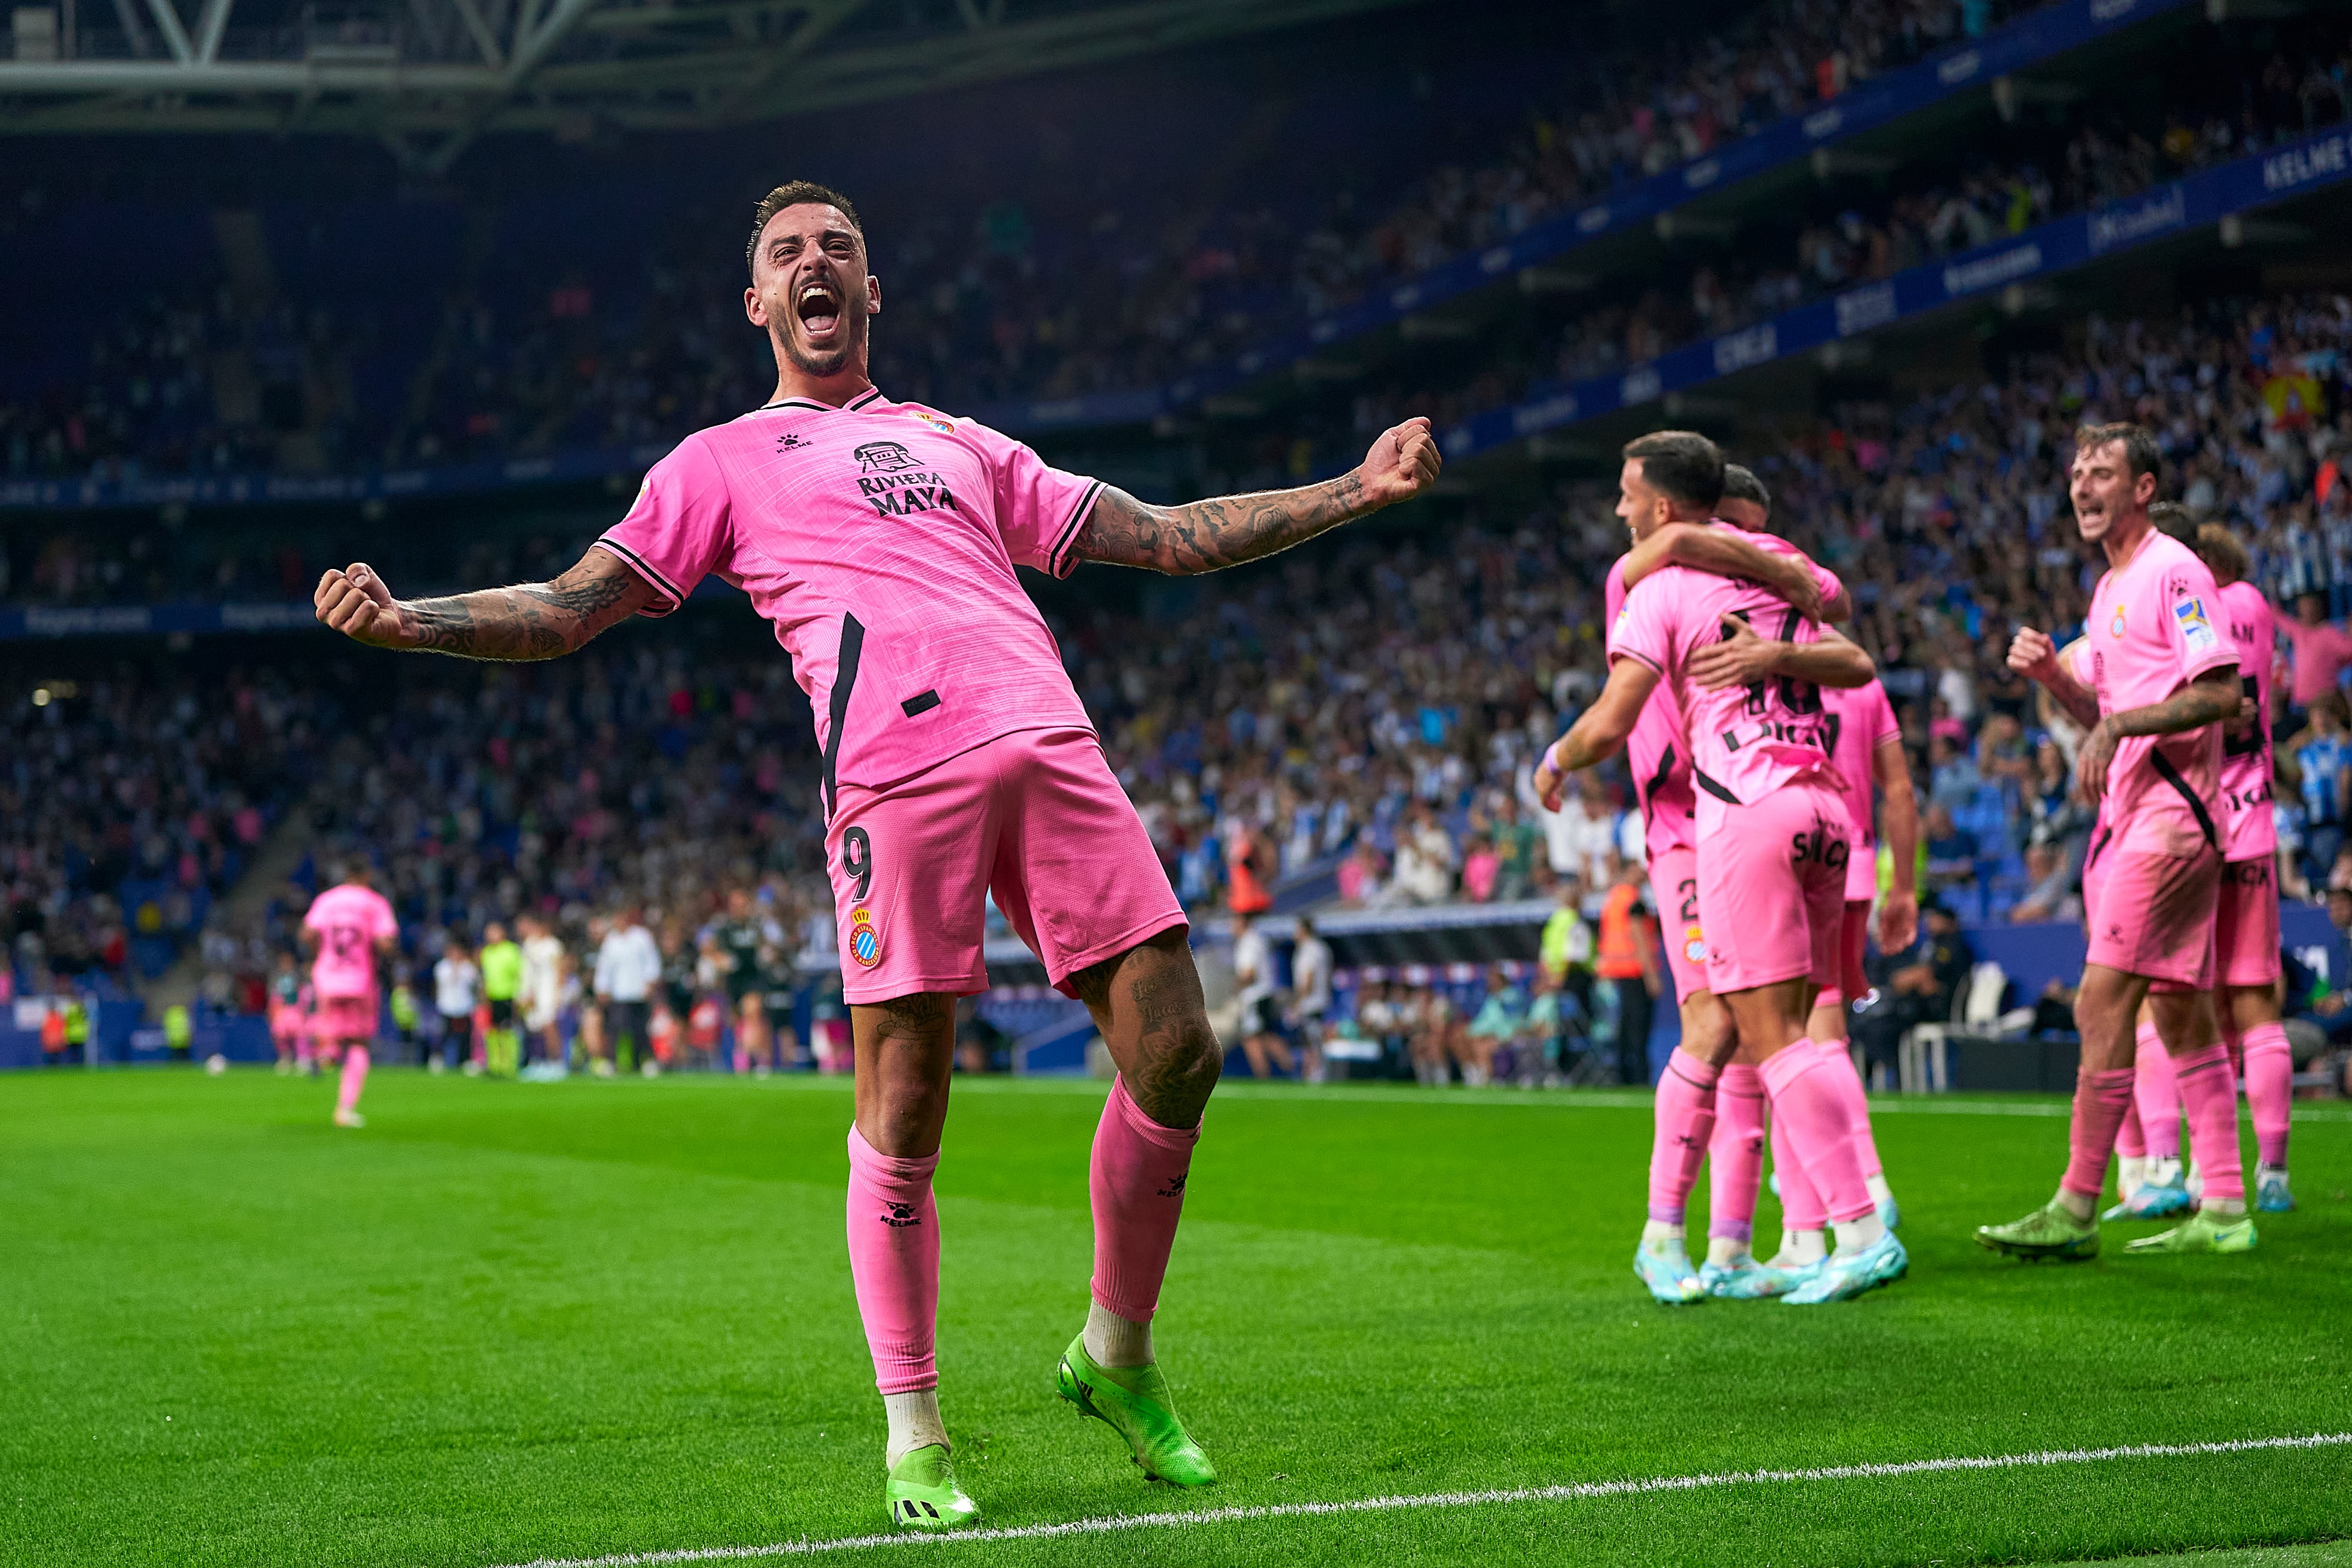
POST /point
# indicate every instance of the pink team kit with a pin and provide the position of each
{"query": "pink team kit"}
(2151, 892)
(350, 920)
(2246, 918)
(1658, 752)
(880, 540)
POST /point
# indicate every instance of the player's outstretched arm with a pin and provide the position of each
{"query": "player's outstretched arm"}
(1226, 530)
(1743, 658)
(2211, 698)
(1601, 730)
(2034, 656)
(1724, 553)
(529, 620)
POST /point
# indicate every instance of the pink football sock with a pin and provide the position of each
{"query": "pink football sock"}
(2130, 1142)
(2270, 1089)
(1735, 1154)
(2157, 1095)
(2209, 1090)
(355, 1066)
(1685, 1123)
(1136, 1181)
(1806, 1100)
(1801, 1206)
(2100, 1100)
(1840, 1063)
(894, 1260)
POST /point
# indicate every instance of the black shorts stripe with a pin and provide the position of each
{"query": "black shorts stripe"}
(845, 678)
(1714, 788)
(2171, 775)
(1658, 779)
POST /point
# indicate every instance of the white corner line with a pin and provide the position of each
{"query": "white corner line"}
(1580, 1491)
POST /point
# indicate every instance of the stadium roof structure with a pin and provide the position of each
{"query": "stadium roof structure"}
(427, 77)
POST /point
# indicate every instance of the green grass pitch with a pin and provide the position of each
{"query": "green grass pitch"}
(508, 1323)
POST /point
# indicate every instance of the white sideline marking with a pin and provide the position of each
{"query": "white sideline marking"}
(1576, 1492)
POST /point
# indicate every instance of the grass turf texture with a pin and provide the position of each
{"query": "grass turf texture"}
(508, 1321)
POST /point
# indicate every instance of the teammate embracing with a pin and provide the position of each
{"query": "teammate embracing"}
(880, 539)
(1771, 830)
(2164, 683)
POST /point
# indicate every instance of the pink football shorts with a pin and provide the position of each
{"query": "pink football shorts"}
(1674, 889)
(1035, 819)
(2246, 924)
(1771, 890)
(2152, 915)
(344, 1018)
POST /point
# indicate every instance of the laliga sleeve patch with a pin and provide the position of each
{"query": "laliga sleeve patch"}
(865, 941)
(2196, 626)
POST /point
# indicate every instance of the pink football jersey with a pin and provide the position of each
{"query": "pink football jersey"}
(350, 920)
(2249, 832)
(1864, 720)
(1658, 751)
(879, 538)
(2154, 626)
(1746, 741)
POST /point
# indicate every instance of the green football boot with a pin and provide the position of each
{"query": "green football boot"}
(2048, 1232)
(2203, 1231)
(1134, 1402)
(922, 1493)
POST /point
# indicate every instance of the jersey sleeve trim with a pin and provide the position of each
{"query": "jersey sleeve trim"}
(1056, 561)
(1638, 656)
(654, 578)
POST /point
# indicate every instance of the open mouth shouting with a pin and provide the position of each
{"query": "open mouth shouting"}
(818, 306)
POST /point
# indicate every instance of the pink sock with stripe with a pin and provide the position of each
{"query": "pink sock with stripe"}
(1136, 1179)
(1805, 1100)
(1685, 1125)
(894, 1260)
(2208, 1089)
(1734, 1155)
(2270, 1089)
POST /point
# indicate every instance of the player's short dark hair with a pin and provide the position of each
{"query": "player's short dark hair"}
(794, 193)
(1741, 483)
(1681, 465)
(2141, 453)
(2174, 522)
(2224, 551)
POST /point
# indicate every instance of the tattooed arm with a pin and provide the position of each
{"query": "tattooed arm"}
(2033, 655)
(1227, 530)
(529, 620)
(2211, 698)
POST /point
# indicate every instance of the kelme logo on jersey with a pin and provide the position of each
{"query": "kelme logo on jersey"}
(2196, 626)
(865, 941)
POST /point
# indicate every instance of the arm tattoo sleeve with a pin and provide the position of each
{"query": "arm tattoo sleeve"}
(1225, 530)
(2211, 698)
(532, 620)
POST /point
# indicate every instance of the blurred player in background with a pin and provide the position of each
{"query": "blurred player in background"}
(349, 927)
(501, 966)
(289, 1030)
(457, 986)
(1772, 831)
(881, 540)
(542, 990)
(2164, 682)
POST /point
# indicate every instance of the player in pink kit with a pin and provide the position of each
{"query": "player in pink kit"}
(1710, 1101)
(1771, 831)
(2246, 920)
(880, 539)
(2165, 681)
(349, 928)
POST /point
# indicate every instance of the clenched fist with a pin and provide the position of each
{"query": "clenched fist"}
(356, 602)
(1402, 463)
